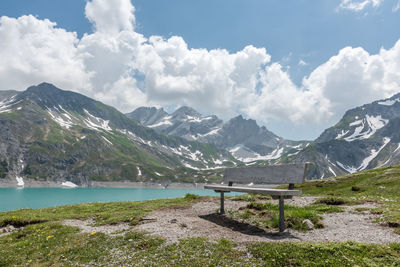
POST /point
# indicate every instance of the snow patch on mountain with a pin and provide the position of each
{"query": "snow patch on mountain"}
(398, 147)
(372, 123)
(330, 169)
(69, 184)
(189, 166)
(367, 160)
(6, 105)
(355, 123)
(20, 181)
(389, 102)
(63, 119)
(108, 141)
(245, 154)
(373, 155)
(212, 132)
(349, 169)
(295, 147)
(217, 161)
(164, 121)
(96, 123)
(293, 154)
(343, 133)
(197, 119)
(196, 155)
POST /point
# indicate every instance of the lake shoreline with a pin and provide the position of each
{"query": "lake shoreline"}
(98, 184)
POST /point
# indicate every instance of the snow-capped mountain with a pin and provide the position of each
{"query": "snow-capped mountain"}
(246, 141)
(366, 137)
(52, 134)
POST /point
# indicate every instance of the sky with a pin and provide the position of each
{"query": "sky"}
(294, 66)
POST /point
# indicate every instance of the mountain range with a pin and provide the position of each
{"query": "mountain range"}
(366, 137)
(48, 134)
(243, 138)
(62, 136)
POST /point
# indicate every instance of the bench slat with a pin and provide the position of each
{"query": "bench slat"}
(264, 191)
(273, 174)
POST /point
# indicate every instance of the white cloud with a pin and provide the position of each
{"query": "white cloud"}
(110, 16)
(33, 50)
(354, 77)
(359, 5)
(396, 7)
(302, 63)
(123, 68)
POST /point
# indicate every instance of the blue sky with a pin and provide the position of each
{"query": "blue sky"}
(298, 35)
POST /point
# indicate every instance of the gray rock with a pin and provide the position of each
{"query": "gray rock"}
(309, 224)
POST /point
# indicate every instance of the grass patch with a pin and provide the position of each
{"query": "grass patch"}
(326, 254)
(337, 201)
(191, 197)
(251, 197)
(102, 213)
(18, 221)
(266, 215)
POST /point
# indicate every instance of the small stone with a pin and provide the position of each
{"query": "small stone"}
(309, 224)
(173, 221)
(381, 187)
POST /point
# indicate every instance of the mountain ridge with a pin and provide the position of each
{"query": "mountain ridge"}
(49, 133)
(244, 138)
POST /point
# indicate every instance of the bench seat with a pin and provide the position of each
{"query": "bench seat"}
(273, 174)
(254, 190)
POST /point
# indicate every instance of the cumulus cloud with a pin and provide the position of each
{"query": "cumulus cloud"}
(110, 16)
(359, 5)
(123, 68)
(33, 50)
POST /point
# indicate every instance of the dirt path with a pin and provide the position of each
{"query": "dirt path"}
(201, 220)
(87, 226)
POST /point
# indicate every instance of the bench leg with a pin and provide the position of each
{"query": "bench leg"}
(281, 214)
(222, 209)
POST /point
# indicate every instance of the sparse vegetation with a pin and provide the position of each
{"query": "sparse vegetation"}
(3, 169)
(266, 215)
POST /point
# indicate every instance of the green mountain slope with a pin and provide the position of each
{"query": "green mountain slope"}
(55, 135)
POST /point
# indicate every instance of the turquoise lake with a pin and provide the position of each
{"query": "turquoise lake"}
(35, 198)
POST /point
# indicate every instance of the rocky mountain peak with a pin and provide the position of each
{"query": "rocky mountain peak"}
(47, 95)
(186, 111)
(147, 115)
(239, 121)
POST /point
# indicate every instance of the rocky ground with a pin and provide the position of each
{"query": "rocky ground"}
(202, 220)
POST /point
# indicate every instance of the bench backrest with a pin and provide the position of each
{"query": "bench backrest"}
(273, 174)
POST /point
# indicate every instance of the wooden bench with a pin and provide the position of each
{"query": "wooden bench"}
(274, 174)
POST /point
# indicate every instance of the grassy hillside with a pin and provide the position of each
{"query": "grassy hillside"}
(381, 186)
(44, 241)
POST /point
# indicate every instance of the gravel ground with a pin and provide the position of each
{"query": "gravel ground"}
(201, 220)
(87, 226)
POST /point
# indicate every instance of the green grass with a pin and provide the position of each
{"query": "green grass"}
(53, 244)
(326, 254)
(102, 213)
